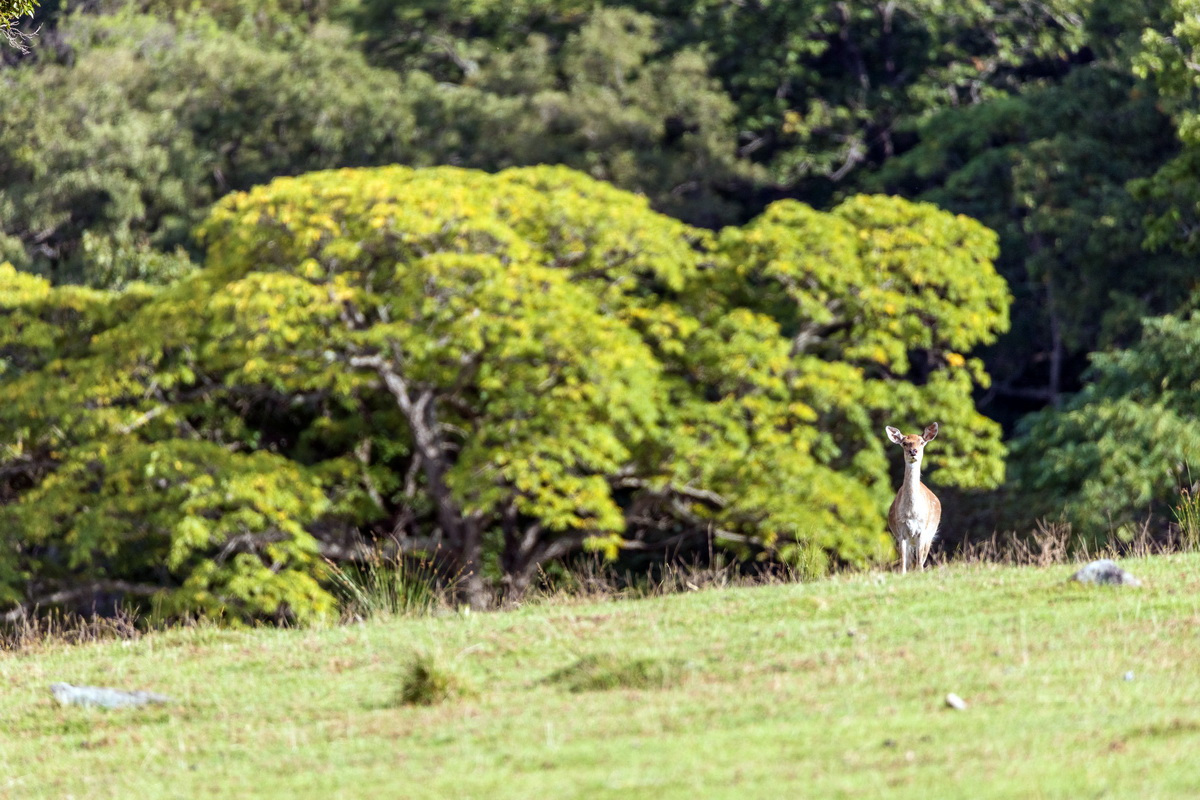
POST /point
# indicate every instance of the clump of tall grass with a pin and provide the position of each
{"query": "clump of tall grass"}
(429, 679)
(1187, 517)
(387, 585)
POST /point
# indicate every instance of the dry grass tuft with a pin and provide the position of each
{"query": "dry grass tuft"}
(31, 632)
(1054, 542)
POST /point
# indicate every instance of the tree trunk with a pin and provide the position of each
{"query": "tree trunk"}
(463, 532)
(516, 585)
(527, 548)
(471, 588)
(1056, 352)
(518, 556)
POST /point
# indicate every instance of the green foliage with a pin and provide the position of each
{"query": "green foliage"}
(858, 293)
(532, 359)
(1122, 448)
(10, 9)
(830, 86)
(90, 163)
(1047, 170)
(603, 99)
(42, 323)
(449, 38)
(228, 527)
(153, 119)
(824, 89)
(114, 154)
(1167, 60)
(718, 410)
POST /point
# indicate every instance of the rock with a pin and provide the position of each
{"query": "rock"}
(69, 695)
(956, 702)
(1105, 572)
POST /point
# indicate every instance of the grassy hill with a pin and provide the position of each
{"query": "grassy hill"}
(828, 689)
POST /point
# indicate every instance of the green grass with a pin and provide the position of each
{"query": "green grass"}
(827, 689)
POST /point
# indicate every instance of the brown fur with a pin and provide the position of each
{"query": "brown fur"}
(916, 512)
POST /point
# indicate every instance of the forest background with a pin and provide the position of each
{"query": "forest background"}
(764, 230)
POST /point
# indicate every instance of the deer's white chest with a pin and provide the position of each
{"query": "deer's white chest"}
(909, 517)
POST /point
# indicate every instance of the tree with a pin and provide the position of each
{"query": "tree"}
(12, 9)
(603, 99)
(1167, 60)
(495, 369)
(832, 87)
(1047, 169)
(879, 301)
(515, 392)
(823, 88)
(506, 389)
(92, 184)
(1120, 450)
(153, 119)
(116, 153)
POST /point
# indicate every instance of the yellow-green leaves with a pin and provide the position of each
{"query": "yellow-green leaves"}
(858, 292)
(531, 361)
(193, 513)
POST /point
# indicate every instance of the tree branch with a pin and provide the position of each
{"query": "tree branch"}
(561, 545)
(700, 495)
(362, 453)
(142, 420)
(89, 590)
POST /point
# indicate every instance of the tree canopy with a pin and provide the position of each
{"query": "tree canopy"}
(496, 370)
(1121, 450)
(1118, 453)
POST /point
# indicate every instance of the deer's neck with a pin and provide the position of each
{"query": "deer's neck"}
(911, 488)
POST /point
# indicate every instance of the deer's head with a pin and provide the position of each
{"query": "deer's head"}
(914, 445)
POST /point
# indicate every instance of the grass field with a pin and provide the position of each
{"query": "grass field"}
(828, 689)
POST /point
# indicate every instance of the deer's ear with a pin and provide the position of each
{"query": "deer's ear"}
(930, 432)
(894, 434)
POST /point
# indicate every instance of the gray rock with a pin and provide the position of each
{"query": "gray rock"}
(69, 695)
(1105, 572)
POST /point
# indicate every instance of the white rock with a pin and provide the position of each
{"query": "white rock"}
(69, 695)
(1105, 572)
(954, 701)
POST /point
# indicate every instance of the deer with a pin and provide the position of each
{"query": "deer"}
(915, 513)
